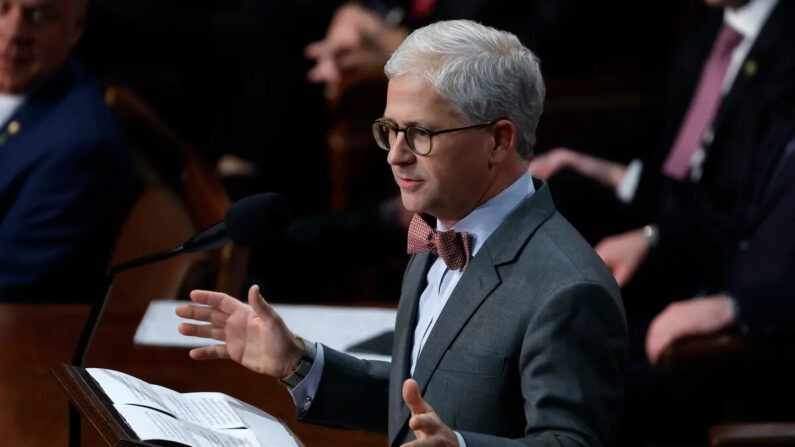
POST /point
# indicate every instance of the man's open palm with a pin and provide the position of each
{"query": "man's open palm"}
(255, 335)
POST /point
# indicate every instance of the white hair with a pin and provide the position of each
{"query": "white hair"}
(485, 73)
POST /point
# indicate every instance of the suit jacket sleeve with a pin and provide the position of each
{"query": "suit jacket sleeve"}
(570, 374)
(355, 395)
(763, 280)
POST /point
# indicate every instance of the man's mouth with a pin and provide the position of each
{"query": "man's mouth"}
(407, 183)
(15, 59)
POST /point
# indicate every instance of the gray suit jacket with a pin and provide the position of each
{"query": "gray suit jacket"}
(527, 351)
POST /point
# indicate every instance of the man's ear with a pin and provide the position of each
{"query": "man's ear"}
(504, 133)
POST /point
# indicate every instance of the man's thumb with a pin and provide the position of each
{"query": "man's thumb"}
(257, 302)
(411, 394)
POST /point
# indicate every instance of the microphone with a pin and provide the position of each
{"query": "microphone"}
(249, 221)
(252, 220)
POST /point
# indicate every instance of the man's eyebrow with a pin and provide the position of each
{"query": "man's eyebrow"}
(38, 4)
(406, 124)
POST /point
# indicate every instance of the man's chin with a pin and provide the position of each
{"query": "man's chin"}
(412, 203)
(10, 84)
(16, 79)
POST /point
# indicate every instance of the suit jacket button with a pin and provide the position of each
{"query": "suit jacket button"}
(744, 244)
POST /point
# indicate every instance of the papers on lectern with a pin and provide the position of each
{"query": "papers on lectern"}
(158, 414)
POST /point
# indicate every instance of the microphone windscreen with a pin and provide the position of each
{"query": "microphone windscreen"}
(258, 218)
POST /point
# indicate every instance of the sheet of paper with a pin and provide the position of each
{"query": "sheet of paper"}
(336, 327)
(126, 389)
(268, 430)
(210, 410)
(150, 424)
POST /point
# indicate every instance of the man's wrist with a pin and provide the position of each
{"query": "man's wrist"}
(296, 355)
(651, 234)
(301, 367)
(736, 314)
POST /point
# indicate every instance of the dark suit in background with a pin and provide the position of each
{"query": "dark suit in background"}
(762, 276)
(650, 136)
(748, 254)
(730, 232)
(66, 182)
(706, 224)
(527, 351)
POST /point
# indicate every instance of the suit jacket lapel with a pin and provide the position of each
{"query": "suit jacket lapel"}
(477, 283)
(760, 58)
(413, 285)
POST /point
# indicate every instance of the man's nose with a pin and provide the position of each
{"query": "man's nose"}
(400, 153)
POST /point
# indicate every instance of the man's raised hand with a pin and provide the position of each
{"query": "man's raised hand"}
(254, 334)
(428, 428)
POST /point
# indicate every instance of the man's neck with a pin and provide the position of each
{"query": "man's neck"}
(500, 183)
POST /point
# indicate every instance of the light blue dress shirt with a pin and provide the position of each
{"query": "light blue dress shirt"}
(480, 224)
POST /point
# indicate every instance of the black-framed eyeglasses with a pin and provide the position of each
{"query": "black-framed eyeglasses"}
(417, 137)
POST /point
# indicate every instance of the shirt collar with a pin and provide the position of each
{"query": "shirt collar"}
(483, 220)
(749, 18)
(9, 104)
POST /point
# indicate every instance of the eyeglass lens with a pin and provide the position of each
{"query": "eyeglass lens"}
(418, 139)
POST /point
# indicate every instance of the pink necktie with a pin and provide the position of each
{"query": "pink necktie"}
(704, 104)
(453, 247)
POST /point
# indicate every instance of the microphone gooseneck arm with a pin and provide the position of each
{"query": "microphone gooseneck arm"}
(154, 257)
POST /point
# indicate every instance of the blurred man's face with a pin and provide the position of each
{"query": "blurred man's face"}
(35, 39)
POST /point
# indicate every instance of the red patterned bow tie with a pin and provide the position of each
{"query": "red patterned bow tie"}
(453, 247)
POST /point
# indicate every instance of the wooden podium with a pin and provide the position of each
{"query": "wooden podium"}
(95, 407)
(34, 413)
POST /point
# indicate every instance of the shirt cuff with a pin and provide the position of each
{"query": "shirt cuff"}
(304, 393)
(736, 313)
(461, 442)
(629, 184)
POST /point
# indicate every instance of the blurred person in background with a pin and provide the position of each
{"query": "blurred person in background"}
(740, 59)
(65, 172)
(715, 255)
(733, 53)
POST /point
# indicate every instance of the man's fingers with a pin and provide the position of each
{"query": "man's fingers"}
(316, 49)
(655, 345)
(428, 423)
(663, 330)
(411, 394)
(539, 168)
(201, 313)
(217, 300)
(603, 253)
(622, 275)
(210, 353)
(419, 443)
(429, 429)
(202, 330)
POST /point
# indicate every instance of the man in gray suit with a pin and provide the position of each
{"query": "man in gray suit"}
(510, 330)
